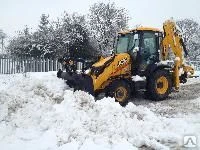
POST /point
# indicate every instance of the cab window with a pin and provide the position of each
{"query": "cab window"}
(122, 44)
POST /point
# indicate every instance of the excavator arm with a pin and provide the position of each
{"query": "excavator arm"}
(173, 40)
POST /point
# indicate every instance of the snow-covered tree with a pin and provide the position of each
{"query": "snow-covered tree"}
(2, 38)
(191, 34)
(74, 34)
(105, 20)
(43, 37)
(21, 45)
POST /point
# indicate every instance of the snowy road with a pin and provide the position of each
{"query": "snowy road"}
(39, 112)
(185, 101)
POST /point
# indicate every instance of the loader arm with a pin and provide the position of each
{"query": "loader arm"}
(172, 39)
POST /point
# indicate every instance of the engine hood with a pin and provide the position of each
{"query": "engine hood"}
(101, 62)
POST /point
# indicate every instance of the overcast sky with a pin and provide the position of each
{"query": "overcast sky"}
(15, 14)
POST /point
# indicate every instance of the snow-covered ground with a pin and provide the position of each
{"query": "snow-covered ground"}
(38, 111)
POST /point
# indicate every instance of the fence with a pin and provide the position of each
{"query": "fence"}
(11, 65)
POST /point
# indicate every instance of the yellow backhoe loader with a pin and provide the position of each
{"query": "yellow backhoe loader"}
(138, 62)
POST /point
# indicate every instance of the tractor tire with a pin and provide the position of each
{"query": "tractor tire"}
(120, 90)
(159, 85)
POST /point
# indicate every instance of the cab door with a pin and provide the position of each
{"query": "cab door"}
(149, 49)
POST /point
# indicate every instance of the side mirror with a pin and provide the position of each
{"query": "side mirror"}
(136, 37)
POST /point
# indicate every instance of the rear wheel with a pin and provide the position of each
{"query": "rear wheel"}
(159, 85)
(120, 90)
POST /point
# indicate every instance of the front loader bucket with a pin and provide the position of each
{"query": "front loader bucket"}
(77, 81)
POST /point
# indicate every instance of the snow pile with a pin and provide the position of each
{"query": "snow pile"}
(138, 78)
(40, 112)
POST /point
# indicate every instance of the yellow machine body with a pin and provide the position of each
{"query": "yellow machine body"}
(173, 40)
(119, 67)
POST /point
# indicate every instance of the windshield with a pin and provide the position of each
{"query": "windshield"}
(126, 43)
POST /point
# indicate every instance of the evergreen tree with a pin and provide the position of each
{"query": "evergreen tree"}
(22, 44)
(76, 35)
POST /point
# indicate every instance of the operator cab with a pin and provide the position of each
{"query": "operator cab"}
(143, 45)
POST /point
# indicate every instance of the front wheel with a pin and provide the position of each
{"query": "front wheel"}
(159, 85)
(120, 90)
